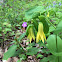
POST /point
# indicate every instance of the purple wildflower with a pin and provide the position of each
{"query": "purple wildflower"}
(54, 3)
(24, 24)
(60, 4)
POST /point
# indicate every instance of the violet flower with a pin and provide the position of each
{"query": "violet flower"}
(24, 24)
(54, 3)
(60, 4)
(49, 6)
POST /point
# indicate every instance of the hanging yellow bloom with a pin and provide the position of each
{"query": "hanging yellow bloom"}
(48, 14)
(40, 34)
(31, 35)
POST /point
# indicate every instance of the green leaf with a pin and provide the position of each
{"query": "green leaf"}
(45, 59)
(17, 52)
(41, 44)
(51, 29)
(59, 14)
(59, 28)
(10, 52)
(35, 23)
(51, 41)
(39, 55)
(33, 12)
(31, 44)
(9, 25)
(22, 56)
(32, 51)
(0, 34)
(7, 29)
(19, 61)
(55, 48)
(45, 24)
(49, 58)
(59, 44)
(5, 23)
(0, 28)
(52, 12)
(22, 36)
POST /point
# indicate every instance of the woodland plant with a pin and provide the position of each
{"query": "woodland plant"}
(45, 29)
(53, 41)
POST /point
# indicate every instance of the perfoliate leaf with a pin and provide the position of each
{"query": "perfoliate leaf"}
(58, 28)
(33, 12)
(51, 41)
(55, 45)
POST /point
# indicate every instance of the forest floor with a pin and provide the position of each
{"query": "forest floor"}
(15, 59)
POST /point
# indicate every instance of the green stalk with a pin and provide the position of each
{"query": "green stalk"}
(56, 47)
(56, 35)
(50, 23)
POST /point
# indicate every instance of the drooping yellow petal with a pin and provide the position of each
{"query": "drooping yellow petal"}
(28, 36)
(31, 35)
(37, 38)
(30, 39)
(40, 33)
(44, 36)
(40, 27)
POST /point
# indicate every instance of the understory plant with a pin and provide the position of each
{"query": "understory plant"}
(44, 29)
(40, 25)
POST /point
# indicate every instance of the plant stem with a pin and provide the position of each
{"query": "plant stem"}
(56, 47)
(56, 42)
(50, 23)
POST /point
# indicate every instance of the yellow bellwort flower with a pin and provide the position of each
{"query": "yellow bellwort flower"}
(40, 33)
(48, 14)
(31, 35)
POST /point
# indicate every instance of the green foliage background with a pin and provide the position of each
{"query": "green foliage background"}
(14, 12)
